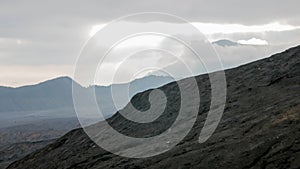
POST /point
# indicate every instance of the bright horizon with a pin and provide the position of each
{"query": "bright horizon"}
(108, 84)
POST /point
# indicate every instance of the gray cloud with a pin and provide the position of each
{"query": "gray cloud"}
(230, 11)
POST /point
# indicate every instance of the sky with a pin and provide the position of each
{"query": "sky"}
(41, 40)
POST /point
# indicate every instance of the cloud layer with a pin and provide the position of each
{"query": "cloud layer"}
(42, 39)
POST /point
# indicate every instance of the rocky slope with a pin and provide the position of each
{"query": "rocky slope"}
(12, 152)
(260, 127)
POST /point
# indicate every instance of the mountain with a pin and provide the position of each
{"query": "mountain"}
(225, 42)
(260, 127)
(53, 99)
(52, 94)
(32, 115)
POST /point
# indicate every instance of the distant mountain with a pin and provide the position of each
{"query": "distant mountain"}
(225, 42)
(52, 94)
(259, 128)
(53, 98)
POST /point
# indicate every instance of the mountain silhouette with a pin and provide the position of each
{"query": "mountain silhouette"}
(225, 42)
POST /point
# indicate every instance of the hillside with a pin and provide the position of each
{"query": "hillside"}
(42, 112)
(11, 152)
(260, 127)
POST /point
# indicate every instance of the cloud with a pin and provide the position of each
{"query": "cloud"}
(36, 34)
(217, 28)
(215, 11)
(95, 29)
(253, 41)
(213, 28)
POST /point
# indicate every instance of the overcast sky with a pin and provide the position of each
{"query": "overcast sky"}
(40, 40)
